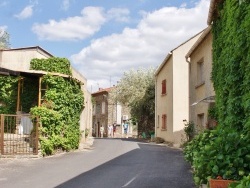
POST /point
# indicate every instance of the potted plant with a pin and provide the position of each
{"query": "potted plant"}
(219, 183)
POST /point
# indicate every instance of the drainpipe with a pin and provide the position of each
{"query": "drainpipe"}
(156, 117)
(188, 61)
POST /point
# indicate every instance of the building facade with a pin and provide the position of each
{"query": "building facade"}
(171, 98)
(201, 89)
(18, 60)
(107, 112)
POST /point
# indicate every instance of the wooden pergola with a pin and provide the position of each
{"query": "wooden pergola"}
(21, 74)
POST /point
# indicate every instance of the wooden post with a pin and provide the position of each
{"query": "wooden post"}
(2, 133)
(40, 90)
(18, 94)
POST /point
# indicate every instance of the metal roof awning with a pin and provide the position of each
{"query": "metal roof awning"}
(210, 99)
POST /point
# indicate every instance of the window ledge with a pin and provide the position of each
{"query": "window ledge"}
(163, 94)
(163, 129)
(199, 85)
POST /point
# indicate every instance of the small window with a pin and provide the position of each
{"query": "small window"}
(164, 122)
(103, 107)
(201, 120)
(200, 72)
(98, 109)
(94, 109)
(164, 87)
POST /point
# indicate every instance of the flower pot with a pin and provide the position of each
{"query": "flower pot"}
(215, 183)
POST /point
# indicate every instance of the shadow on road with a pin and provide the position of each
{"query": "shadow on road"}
(150, 166)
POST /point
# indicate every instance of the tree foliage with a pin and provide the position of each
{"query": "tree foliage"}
(136, 89)
(4, 39)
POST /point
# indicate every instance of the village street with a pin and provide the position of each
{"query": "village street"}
(110, 163)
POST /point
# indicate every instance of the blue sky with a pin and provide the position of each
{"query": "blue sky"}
(104, 38)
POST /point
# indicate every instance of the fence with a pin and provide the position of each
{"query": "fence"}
(18, 135)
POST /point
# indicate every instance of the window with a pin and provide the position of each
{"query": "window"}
(98, 109)
(94, 109)
(163, 87)
(200, 72)
(201, 120)
(164, 122)
(103, 107)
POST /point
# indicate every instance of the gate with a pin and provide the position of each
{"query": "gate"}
(18, 135)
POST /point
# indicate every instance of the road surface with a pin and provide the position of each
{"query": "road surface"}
(112, 163)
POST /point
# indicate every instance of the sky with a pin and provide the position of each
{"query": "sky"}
(104, 38)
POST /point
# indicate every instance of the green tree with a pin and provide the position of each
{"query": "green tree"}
(4, 39)
(136, 89)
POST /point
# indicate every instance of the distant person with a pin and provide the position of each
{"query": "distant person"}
(125, 127)
(110, 130)
(114, 129)
(101, 131)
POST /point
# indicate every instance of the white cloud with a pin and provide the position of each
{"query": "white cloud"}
(144, 46)
(72, 28)
(25, 13)
(119, 14)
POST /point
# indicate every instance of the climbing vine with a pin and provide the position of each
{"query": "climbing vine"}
(53, 64)
(225, 151)
(8, 97)
(60, 110)
(231, 63)
(28, 93)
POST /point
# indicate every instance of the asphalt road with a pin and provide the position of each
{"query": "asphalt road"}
(112, 163)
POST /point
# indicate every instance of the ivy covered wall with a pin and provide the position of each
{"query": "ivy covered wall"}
(61, 107)
(224, 152)
(231, 63)
(8, 94)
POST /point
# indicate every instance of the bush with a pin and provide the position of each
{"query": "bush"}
(244, 183)
(220, 152)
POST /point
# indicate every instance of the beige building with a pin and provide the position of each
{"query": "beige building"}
(171, 98)
(201, 89)
(106, 112)
(18, 60)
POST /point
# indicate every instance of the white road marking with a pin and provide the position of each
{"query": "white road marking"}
(130, 181)
(3, 179)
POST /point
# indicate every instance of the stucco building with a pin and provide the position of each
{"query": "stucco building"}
(18, 60)
(201, 89)
(107, 112)
(171, 98)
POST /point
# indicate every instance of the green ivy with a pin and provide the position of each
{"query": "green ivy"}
(53, 64)
(29, 93)
(225, 151)
(231, 63)
(8, 97)
(60, 110)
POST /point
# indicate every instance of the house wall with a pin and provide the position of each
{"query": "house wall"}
(175, 104)
(86, 115)
(164, 103)
(113, 114)
(199, 92)
(99, 118)
(19, 60)
(181, 89)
